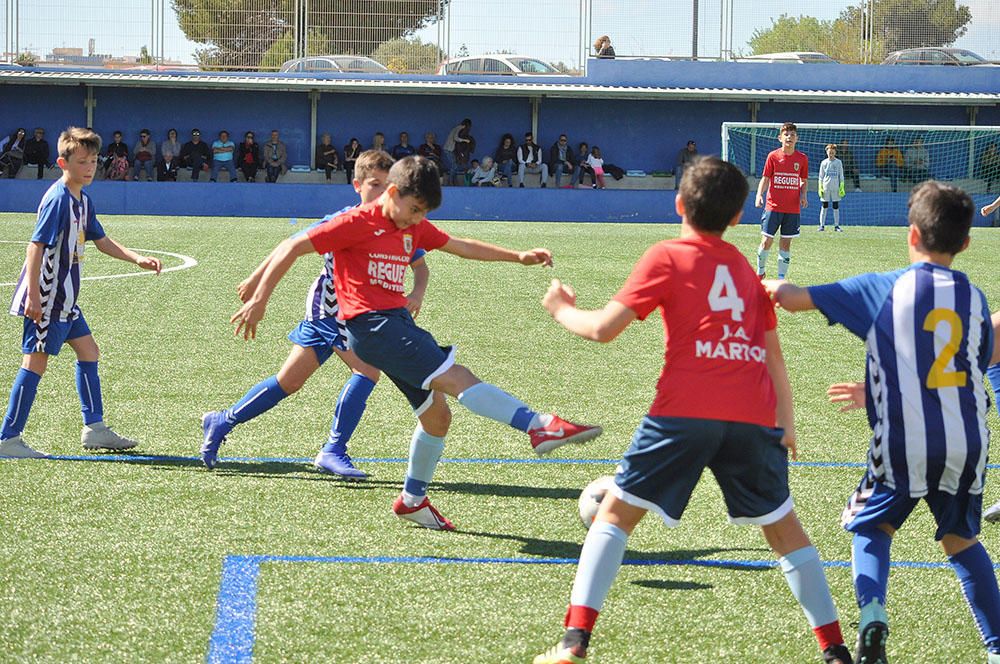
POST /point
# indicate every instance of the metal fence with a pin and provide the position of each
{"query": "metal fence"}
(415, 35)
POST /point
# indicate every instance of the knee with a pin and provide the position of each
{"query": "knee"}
(436, 420)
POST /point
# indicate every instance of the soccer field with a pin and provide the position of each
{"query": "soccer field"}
(153, 558)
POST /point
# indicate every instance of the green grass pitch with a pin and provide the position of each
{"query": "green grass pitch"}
(121, 561)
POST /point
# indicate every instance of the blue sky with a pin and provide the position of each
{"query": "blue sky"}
(543, 28)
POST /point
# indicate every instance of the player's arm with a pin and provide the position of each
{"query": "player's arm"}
(803, 190)
(483, 251)
(111, 248)
(995, 320)
(32, 272)
(852, 395)
(989, 209)
(762, 186)
(789, 296)
(783, 390)
(246, 288)
(601, 325)
(421, 277)
(251, 313)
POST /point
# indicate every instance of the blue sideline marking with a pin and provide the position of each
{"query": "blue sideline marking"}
(233, 637)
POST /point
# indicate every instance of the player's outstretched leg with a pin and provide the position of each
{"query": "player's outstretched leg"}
(22, 396)
(974, 569)
(870, 563)
(216, 425)
(425, 452)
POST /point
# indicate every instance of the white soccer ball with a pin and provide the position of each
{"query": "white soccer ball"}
(590, 499)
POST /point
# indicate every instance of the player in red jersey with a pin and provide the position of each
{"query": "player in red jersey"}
(722, 401)
(374, 245)
(786, 173)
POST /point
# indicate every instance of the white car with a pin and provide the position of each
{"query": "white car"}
(335, 64)
(791, 57)
(504, 65)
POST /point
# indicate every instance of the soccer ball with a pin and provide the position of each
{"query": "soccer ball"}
(590, 499)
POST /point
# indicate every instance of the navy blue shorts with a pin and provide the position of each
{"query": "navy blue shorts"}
(389, 340)
(668, 454)
(873, 504)
(322, 335)
(49, 337)
(771, 222)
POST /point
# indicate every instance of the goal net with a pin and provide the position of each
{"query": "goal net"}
(881, 162)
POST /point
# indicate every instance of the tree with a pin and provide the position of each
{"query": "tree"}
(283, 49)
(239, 33)
(409, 55)
(897, 24)
(144, 57)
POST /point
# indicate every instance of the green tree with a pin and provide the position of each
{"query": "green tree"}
(237, 34)
(409, 55)
(283, 49)
(144, 57)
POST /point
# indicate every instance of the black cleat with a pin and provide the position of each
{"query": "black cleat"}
(837, 655)
(871, 644)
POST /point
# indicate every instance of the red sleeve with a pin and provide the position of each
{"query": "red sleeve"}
(431, 237)
(339, 233)
(647, 287)
(769, 165)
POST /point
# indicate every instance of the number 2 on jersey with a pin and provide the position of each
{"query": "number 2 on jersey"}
(939, 376)
(722, 296)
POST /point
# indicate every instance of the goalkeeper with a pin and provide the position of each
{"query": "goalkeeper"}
(831, 187)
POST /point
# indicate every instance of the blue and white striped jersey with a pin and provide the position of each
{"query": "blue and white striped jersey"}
(64, 225)
(928, 340)
(321, 298)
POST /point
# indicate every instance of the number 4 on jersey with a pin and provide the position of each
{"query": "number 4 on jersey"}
(722, 296)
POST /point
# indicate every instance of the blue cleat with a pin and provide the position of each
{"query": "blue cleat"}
(215, 428)
(338, 463)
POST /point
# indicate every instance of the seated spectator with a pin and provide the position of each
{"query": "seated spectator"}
(275, 156)
(196, 155)
(327, 157)
(144, 156)
(116, 158)
(603, 48)
(166, 168)
(472, 166)
(917, 162)
(505, 158)
(561, 159)
(351, 153)
(404, 149)
(223, 157)
(12, 153)
(37, 153)
(685, 158)
(171, 145)
(850, 166)
(989, 166)
(582, 167)
(248, 157)
(889, 161)
(378, 142)
(485, 174)
(431, 150)
(529, 160)
(596, 163)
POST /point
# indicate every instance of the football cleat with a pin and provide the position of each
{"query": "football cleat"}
(338, 463)
(214, 427)
(838, 654)
(871, 644)
(424, 515)
(559, 432)
(15, 448)
(821, 228)
(559, 654)
(838, 229)
(99, 436)
(992, 514)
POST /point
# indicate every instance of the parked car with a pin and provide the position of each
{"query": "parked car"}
(791, 57)
(936, 56)
(504, 65)
(334, 64)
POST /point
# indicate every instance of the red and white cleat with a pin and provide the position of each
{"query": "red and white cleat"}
(423, 515)
(559, 432)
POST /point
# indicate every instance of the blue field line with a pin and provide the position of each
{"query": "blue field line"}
(233, 637)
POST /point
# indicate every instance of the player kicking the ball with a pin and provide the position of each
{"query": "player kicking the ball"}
(374, 244)
(725, 404)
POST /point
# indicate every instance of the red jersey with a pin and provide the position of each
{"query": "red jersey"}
(715, 314)
(371, 257)
(788, 173)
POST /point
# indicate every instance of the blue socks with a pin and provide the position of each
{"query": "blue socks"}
(993, 374)
(22, 395)
(492, 402)
(804, 574)
(350, 407)
(870, 565)
(88, 386)
(425, 452)
(260, 398)
(600, 559)
(974, 570)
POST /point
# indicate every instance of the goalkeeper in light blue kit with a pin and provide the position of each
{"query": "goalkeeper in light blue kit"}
(831, 187)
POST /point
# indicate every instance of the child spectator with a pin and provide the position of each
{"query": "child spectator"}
(596, 163)
(46, 297)
(831, 187)
(116, 162)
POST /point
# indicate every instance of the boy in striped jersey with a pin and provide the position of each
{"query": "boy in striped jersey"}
(46, 297)
(928, 340)
(317, 337)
